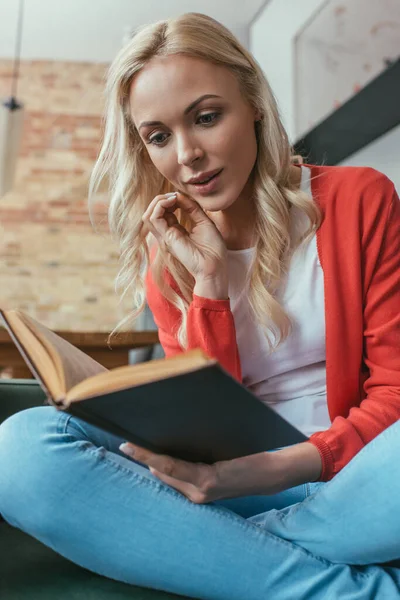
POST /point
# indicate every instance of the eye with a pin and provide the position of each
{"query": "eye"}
(160, 138)
(156, 139)
(211, 116)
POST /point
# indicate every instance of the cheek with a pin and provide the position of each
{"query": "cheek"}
(241, 148)
(237, 138)
(164, 162)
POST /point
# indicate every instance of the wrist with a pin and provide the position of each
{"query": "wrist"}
(296, 465)
(267, 473)
(215, 288)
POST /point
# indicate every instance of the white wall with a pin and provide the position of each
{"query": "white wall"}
(92, 30)
(271, 42)
(271, 37)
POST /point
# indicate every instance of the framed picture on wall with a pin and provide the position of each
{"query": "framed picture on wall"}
(343, 47)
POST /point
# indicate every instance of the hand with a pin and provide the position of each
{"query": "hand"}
(264, 473)
(202, 483)
(202, 250)
(196, 481)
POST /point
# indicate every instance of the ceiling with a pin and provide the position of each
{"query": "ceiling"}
(93, 30)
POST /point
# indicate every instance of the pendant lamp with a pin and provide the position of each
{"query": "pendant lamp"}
(11, 121)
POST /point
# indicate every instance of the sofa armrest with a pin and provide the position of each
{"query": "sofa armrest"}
(19, 394)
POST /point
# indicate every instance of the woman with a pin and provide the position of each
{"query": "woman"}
(202, 184)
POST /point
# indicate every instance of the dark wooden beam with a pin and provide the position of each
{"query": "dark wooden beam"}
(369, 114)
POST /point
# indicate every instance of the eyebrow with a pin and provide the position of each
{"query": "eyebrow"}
(185, 112)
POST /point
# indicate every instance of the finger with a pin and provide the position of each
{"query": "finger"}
(167, 465)
(186, 489)
(173, 222)
(169, 230)
(165, 240)
(171, 219)
(169, 211)
(158, 217)
(147, 226)
(192, 208)
(154, 203)
(163, 205)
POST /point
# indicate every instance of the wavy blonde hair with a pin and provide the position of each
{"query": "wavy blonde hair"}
(134, 181)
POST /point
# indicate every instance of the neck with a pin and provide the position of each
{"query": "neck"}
(236, 224)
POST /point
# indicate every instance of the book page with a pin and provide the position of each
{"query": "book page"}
(133, 375)
(73, 365)
(39, 361)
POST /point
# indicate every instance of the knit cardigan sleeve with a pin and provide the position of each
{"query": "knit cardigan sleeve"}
(380, 387)
(210, 326)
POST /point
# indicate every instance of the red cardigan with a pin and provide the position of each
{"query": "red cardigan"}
(359, 250)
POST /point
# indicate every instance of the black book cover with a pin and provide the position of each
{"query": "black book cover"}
(201, 416)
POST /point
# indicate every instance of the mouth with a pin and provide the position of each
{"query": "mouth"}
(209, 184)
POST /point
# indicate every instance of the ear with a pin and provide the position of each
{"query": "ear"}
(257, 115)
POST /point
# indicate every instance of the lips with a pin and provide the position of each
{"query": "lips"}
(211, 186)
(204, 179)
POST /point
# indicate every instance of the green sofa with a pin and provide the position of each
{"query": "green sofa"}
(28, 569)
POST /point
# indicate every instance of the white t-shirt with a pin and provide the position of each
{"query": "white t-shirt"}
(291, 379)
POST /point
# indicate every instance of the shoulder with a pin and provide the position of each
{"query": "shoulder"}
(358, 179)
(352, 187)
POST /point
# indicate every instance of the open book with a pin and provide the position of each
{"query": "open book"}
(185, 406)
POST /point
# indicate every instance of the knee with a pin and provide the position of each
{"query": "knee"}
(22, 432)
(24, 448)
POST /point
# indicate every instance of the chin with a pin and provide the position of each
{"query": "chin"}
(213, 204)
(217, 202)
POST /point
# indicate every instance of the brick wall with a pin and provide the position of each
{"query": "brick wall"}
(52, 263)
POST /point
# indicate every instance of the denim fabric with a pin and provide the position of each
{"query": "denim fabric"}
(67, 484)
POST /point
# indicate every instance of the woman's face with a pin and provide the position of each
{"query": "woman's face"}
(188, 134)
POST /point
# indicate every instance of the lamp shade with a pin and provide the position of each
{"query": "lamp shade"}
(11, 122)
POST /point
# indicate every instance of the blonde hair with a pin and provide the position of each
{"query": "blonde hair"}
(134, 181)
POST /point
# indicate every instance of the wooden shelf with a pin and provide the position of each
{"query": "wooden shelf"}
(369, 114)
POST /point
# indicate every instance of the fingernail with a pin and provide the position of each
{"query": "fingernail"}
(127, 449)
(171, 195)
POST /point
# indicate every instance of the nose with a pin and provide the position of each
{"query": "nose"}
(188, 150)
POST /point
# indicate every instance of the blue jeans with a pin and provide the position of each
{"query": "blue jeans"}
(66, 483)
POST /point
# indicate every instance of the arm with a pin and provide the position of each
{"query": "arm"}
(268, 473)
(210, 324)
(381, 274)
